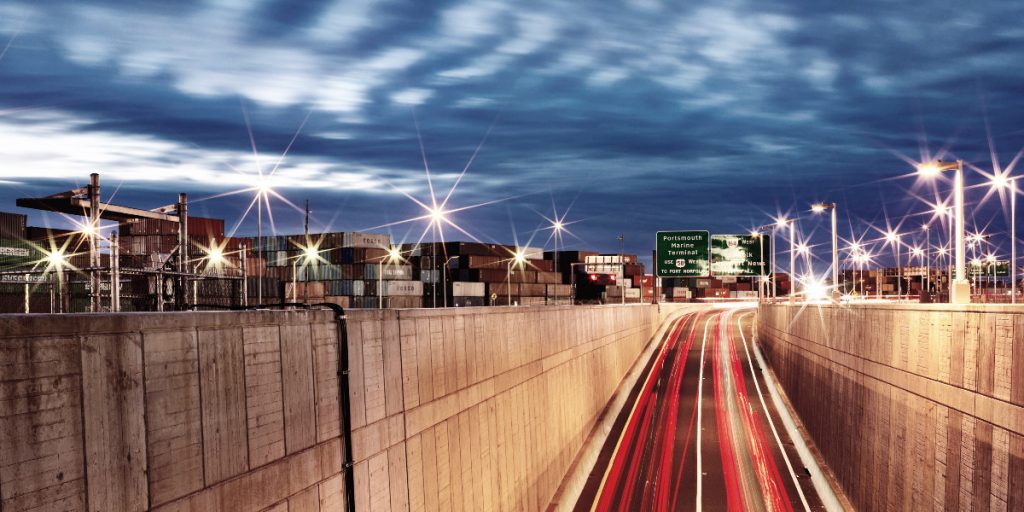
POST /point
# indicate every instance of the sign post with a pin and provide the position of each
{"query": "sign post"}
(682, 254)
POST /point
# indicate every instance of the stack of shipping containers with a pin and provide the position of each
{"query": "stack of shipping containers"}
(354, 270)
(16, 253)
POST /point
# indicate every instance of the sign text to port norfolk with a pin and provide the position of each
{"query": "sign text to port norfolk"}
(682, 254)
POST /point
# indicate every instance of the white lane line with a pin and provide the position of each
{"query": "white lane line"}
(821, 485)
(785, 457)
(700, 395)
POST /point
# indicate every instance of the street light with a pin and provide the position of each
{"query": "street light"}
(778, 224)
(819, 208)
(894, 238)
(518, 259)
(392, 256)
(437, 216)
(792, 258)
(1000, 181)
(991, 260)
(557, 227)
(917, 251)
(959, 287)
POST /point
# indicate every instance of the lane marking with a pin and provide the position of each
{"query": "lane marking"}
(700, 395)
(821, 485)
(764, 406)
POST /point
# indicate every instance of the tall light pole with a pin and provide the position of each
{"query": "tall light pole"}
(991, 260)
(917, 251)
(518, 259)
(894, 238)
(622, 265)
(818, 208)
(959, 287)
(444, 279)
(927, 260)
(1001, 182)
(392, 256)
(557, 227)
(779, 224)
(792, 260)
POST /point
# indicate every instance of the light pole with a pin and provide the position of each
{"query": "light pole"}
(557, 227)
(917, 251)
(518, 259)
(894, 238)
(392, 256)
(991, 260)
(927, 258)
(444, 279)
(792, 259)
(818, 208)
(959, 287)
(779, 224)
(622, 265)
(1000, 182)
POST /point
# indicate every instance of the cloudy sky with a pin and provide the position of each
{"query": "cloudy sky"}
(641, 115)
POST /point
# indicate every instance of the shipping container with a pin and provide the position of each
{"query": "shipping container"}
(393, 288)
(463, 289)
(478, 262)
(341, 301)
(18, 253)
(549, 277)
(367, 240)
(391, 272)
(404, 302)
(12, 226)
(363, 255)
(203, 227)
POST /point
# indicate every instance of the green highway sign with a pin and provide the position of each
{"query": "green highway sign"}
(740, 255)
(682, 254)
(984, 268)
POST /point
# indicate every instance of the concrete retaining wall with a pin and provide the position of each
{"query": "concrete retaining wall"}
(473, 409)
(482, 408)
(176, 411)
(913, 407)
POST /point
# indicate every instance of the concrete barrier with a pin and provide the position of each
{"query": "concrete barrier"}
(913, 407)
(173, 411)
(482, 408)
(468, 408)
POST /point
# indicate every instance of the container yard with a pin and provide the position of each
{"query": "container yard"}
(166, 259)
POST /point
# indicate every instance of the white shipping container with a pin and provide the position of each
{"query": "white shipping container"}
(464, 289)
(633, 293)
(533, 253)
(679, 292)
(403, 288)
(366, 240)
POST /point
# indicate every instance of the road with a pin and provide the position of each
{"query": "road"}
(699, 430)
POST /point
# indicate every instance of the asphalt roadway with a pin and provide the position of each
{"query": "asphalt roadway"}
(699, 431)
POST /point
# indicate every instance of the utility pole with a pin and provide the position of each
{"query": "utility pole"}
(622, 263)
(94, 250)
(305, 286)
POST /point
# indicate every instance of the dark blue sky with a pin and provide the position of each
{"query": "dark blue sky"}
(642, 115)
